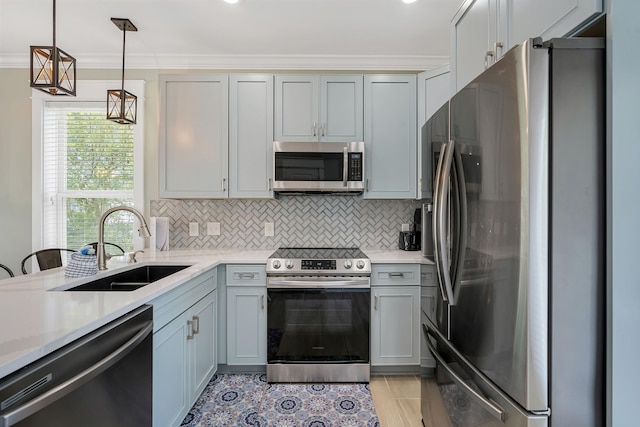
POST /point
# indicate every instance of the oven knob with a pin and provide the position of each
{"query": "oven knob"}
(289, 264)
(360, 264)
(347, 264)
(276, 264)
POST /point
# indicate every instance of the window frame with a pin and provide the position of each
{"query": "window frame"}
(86, 91)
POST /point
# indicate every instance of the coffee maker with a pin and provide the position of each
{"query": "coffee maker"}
(410, 240)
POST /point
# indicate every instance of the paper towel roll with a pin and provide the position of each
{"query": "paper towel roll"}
(159, 233)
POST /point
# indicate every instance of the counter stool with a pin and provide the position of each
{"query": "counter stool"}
(7, 269)
(47, 258)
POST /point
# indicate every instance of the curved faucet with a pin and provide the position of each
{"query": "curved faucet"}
(143, 231)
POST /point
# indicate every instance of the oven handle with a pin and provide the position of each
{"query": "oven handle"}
(56, 393)
(318, 282)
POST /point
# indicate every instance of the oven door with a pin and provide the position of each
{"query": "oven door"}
(325, 323)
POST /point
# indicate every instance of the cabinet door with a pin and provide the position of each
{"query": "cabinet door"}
(296, 113)
(193, 136)
(390, 136)
(428, 296)
(203, 344)
(473, 33)
(171, 394)
(246, 325)
(433, 91)
(548, 18)
(395, 322)
(250, 135)
(341, 106)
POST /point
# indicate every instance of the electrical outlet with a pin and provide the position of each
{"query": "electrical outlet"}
(405, 227)
(213, 229)
(268, 229)
(194, 229)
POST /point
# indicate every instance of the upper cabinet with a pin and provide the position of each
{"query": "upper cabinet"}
(250, 135)
(483, 30)
(434, 88)
(390, 136)
(326, 108)
(193, 145)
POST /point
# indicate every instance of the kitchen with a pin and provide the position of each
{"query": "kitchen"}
(16, 166)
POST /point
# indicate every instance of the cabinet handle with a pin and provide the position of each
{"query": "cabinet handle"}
(224, 182)
(375, 302)
(262, 302)
(420, 185)
(488, 54)
(324, 126)
(366, 184)
(196, 325)
(315, 125)
(190, 326)
(496, 46)
(269, 185)
(396, 274)
(246, 275)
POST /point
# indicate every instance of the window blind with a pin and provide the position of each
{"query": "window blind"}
(88, 167)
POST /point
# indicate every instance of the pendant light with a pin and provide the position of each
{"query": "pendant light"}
(122, 106)
(53, 70)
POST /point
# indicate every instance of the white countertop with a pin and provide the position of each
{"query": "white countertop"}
(36, 320)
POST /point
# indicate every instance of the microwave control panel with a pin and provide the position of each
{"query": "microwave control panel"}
(355, 167)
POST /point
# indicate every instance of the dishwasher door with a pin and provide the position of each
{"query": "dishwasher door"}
(101, 380)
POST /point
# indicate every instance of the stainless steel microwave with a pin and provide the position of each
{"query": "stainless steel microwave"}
(318, 167)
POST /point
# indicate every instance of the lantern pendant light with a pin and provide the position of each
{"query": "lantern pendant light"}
(122, 106)
(53, 70)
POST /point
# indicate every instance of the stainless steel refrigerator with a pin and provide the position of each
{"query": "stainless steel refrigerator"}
(518, 160)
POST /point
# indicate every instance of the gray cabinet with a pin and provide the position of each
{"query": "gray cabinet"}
(193, 147)
(390, 136)
(434, 89)
(184, 347)
(428, 294)
(250, 135)
(246, 315)
(326, 108)
(395, 315)
(483, 30)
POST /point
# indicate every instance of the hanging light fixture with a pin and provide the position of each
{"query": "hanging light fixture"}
(122, 106)
(53, 70)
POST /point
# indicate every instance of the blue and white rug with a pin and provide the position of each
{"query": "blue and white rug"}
(248, 400)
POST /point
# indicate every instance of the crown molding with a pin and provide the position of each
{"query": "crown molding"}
(248, 62)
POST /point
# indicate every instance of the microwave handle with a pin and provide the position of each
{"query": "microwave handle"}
(345, 168)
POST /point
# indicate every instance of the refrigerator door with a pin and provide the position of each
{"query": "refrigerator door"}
(498, 258)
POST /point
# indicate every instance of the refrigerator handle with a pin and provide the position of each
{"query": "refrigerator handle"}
(491, 407)
(434, 220)
(440, 221)
(461, 242)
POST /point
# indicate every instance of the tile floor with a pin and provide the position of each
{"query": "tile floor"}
(397, 400)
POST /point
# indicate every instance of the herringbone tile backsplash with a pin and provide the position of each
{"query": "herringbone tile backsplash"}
(305, 221)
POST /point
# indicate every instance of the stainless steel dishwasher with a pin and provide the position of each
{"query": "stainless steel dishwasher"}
(101, 380)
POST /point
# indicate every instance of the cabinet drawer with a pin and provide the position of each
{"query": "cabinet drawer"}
(428, 275)
(395, 274)
(250, 275)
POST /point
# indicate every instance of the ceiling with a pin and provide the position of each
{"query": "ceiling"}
(253, 34)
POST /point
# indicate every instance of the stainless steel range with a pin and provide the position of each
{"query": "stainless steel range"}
(318, 314)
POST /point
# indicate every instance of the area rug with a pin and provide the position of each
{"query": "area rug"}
(248, 400)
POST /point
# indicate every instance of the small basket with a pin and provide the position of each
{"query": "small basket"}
(81, 265)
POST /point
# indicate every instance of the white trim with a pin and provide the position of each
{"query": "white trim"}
(86, 90)
(250, 62)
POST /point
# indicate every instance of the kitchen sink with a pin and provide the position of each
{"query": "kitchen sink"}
(130, 280)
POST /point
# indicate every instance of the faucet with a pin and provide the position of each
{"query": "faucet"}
(143, 231)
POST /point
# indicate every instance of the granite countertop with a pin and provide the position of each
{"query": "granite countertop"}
(36, 319)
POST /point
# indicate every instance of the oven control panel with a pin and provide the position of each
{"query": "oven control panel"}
(318, 264)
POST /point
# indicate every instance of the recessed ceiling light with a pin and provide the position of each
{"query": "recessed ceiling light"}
(231, 1)
(405, 1)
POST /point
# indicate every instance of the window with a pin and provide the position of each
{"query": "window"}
(88, 164)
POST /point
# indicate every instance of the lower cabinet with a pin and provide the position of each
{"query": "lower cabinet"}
(246, 315)
(428, 294)
(184, 349)
(395, 315)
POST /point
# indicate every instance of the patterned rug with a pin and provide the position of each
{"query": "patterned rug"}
(248, 400)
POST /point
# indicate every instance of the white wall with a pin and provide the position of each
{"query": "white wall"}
(623, 214)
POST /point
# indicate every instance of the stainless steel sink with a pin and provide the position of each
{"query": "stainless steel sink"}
(130, 280)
